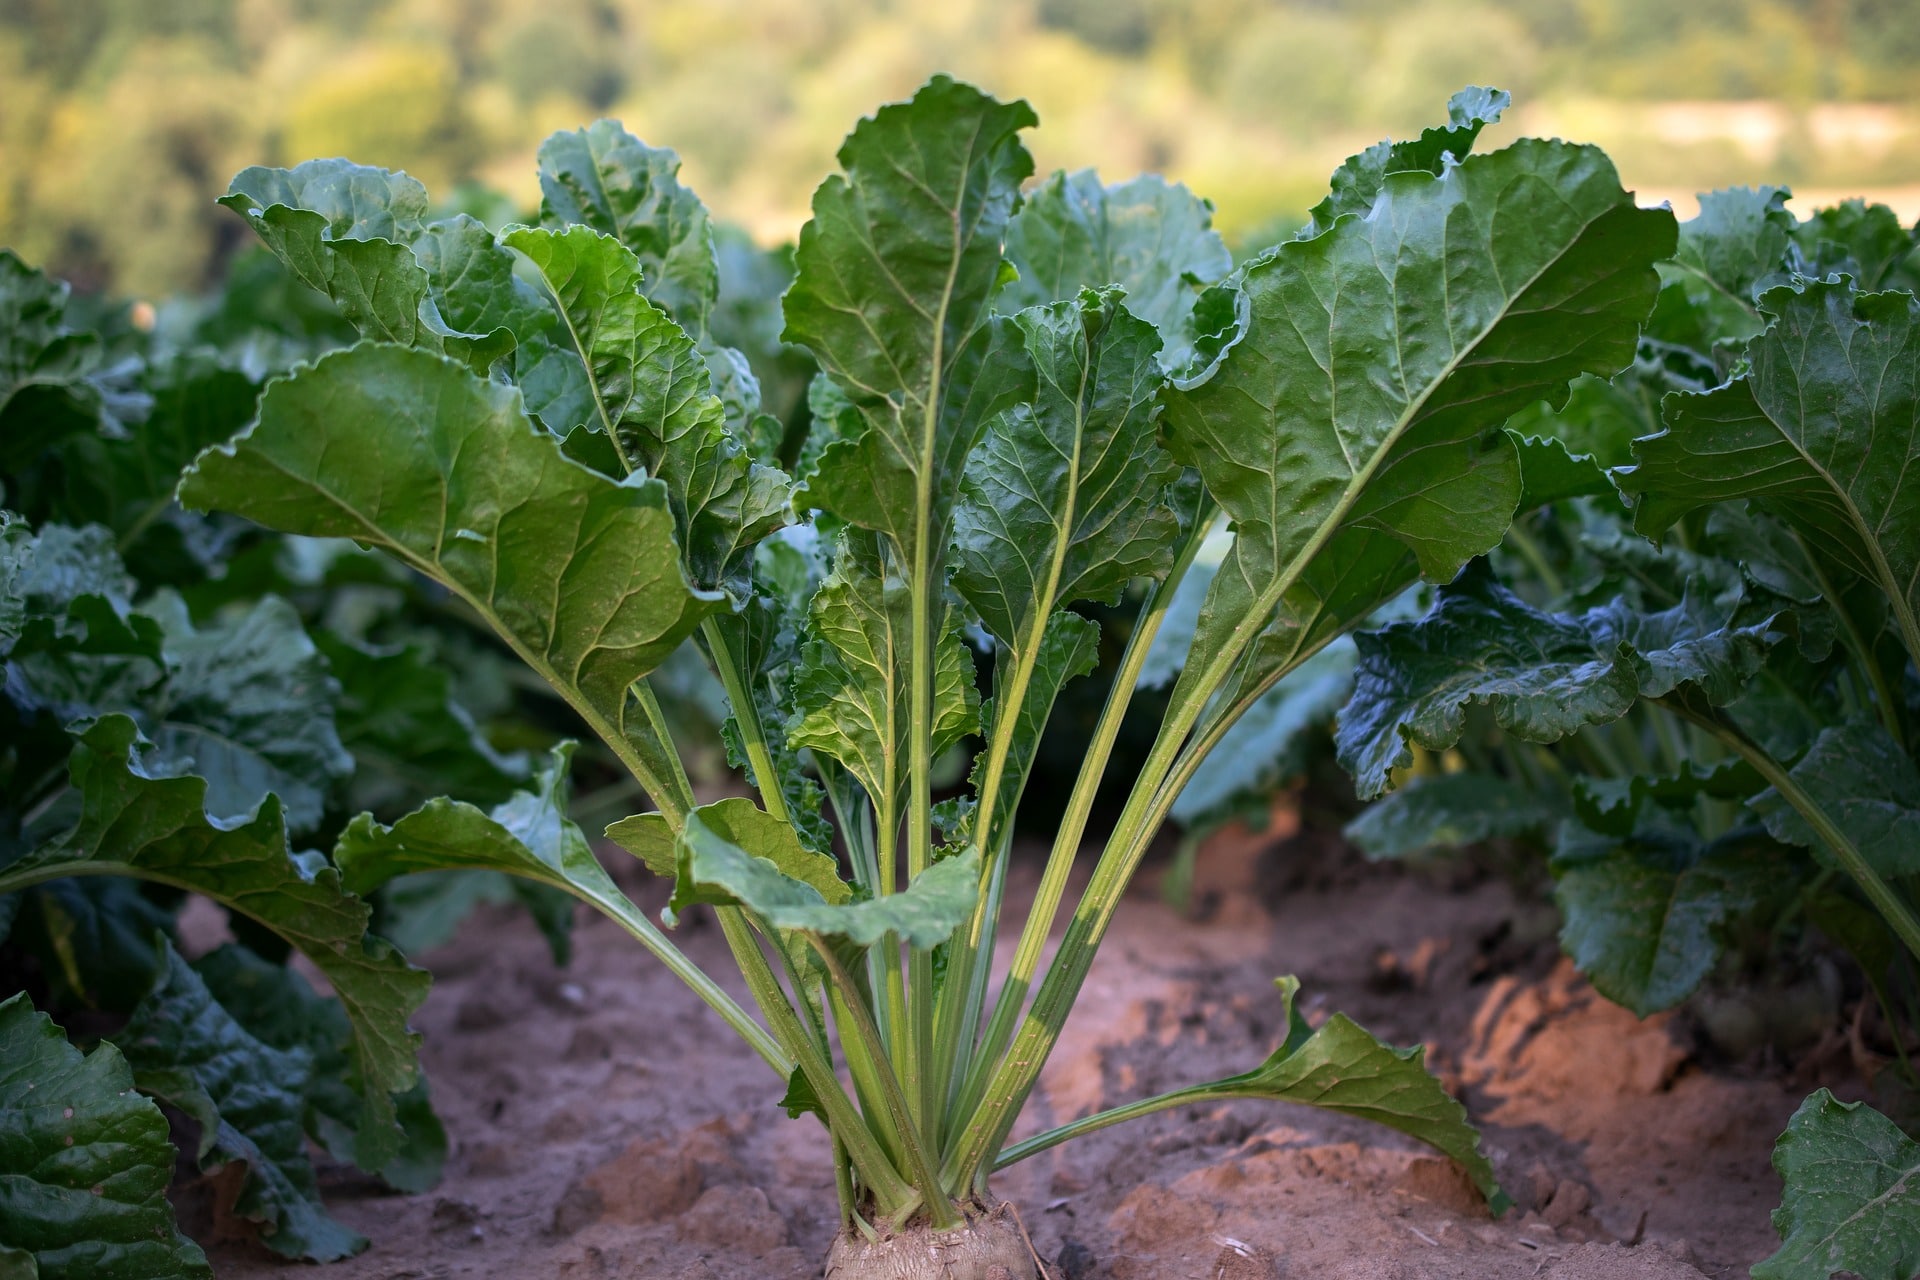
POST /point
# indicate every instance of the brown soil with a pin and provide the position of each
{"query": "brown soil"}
(605, 1125)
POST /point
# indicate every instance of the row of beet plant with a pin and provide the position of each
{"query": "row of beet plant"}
(1025, 404)
(1711, 615)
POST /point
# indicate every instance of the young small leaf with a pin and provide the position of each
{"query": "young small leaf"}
(85, 1161)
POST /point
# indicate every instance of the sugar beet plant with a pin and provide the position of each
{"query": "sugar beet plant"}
(1025, 404)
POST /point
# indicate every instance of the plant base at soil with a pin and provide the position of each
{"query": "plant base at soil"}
(990, 1246)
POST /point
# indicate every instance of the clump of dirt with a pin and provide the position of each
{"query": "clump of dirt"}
(605, 1125)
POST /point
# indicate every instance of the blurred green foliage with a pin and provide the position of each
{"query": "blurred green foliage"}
(120, 120)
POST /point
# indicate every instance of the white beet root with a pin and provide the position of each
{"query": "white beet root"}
(990, 1246)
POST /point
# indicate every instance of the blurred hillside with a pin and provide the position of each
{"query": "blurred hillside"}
(120, 120)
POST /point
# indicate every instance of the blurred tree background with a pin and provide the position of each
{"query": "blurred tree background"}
(120, 120)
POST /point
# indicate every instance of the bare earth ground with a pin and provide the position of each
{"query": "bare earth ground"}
(605, 1125)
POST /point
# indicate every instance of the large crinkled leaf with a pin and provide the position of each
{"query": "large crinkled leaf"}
(1644, 915)
(1351, 429)
(852, 693)
(248, 706)
(1822, 432)
(650, 838)
(1543, 675)
(1065, 498)
(411, 453)
(84, 1163)
(654, 400)
(52, 383)
(347, 230)
(1447, 811)
(1342, 1067)
(1153, 238)
(711, 867)
(409, 737)
(1852, 1200)
(248, 1099)
(279, 1007)
(137, 818)
(895, 276)
(1867, 785)
(1359, 179)
(1268, 743)
(605, 178)
(1727, 253)
(1865, 241)
(72, 643)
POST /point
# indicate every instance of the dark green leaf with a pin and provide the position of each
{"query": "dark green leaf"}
(1865, 241)
(1867, 785)
(1360, 179)
(248, 1099)
(1852, 1200)
(51, 384)
(141, 820)
(84, 1163)
(1448, 811)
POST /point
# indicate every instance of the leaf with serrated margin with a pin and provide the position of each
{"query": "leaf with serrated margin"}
(851, 693)
(1342, 1067)
(139, 820)
(1448, 811)
(248, 705)
(1852, 1199)
(1351, 430)
(1644, 915)
(1359, 179)
(415, 455)
(1543, 675)
(1153, 238)
(649, 837)
(279, 1007)
(1822, 432)
(347, 230)
(71, 1126)
(1870, 788)
(247, 1098)
(1065, 498)
(605, 178)
(712, 867)
(654, 399)
(895, 276)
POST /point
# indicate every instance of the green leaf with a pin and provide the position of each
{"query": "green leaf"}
(278, 1007)
(346, 230)
(736, 819)
(1153, 238)
(1865, 241)
(1867, 785)
(654, 400)
(1617, 806)
(1821, 433)
(1360, 179)
(1645, 914)
(410, 453)
(1070, 648)
(712, 868)
(851, 693)
(94, 935)
(51, 383)
(1852, 1200)
(1732, 249)
(84, 1163)
(248, 705)
(1448, 811)
(1342, 1067)
(72, 643)
(1543, 675)
(1351, 430)
(248, 1099)
(895, 276)
(605, 178)
(409, 737)
(138, 819)
(1065, 498)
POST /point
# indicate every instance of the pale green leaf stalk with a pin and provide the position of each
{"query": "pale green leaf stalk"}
(1024, 406)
